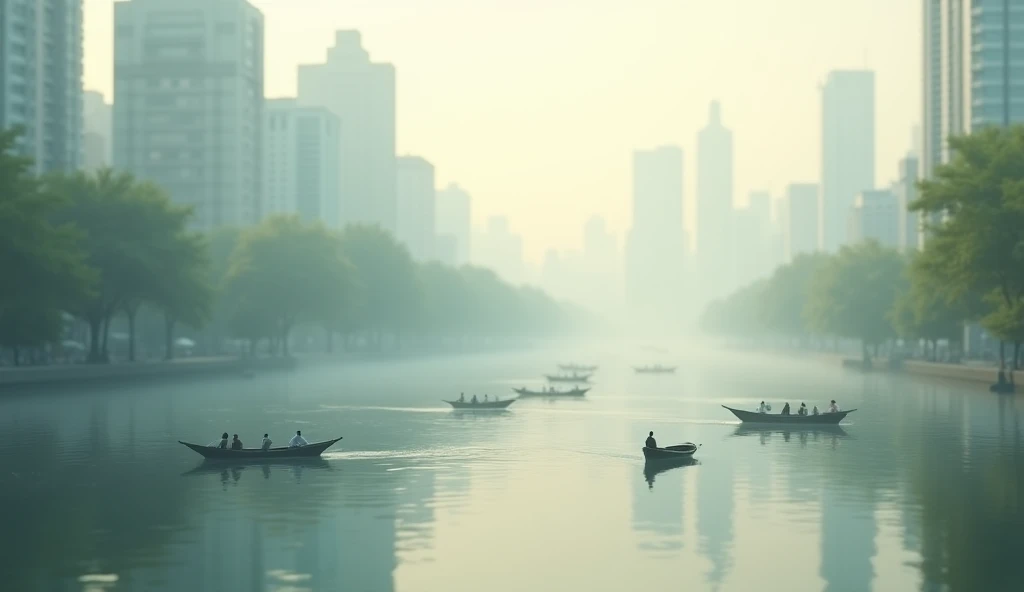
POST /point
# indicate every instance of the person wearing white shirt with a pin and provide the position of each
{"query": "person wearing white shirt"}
(267, 442)
(833, 408)
(763, 408)
(297, 440)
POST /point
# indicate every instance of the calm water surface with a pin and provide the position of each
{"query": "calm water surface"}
(921, 490)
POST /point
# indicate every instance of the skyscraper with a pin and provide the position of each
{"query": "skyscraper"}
(416, 206)
(188, 103)
(905, 189)
(98, 131)
(800, 232)
(971, 71)
(501, 250)
(656, 244)
(41, 79)
(847, 150)
(715, 241)
(362, 94)
(452, 220)
(874, 216)
(300, 162)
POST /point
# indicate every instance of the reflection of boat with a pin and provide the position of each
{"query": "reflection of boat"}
(657, 467)
(795, 420)
(746, 429)
(214, 453)
(1003, 388)
(576, 368)
(574, 377)
(573, 392)
(481, 405)
(677, 452)
(207, 467)
(655, 369)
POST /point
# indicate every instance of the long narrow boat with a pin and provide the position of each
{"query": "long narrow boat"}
(577, 368)
(481, 405)
(569, 377)
(656, 369)
(796, 420)
(307, 451)
(677, 452)
(573, 392)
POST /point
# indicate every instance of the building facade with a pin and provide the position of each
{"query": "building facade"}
(41, 79)
(97, 137)
(362, 94)
(300, 162)
(188, 103)
(417, 205)
(874, 216)
(800, 222)
(453, 215)
(847, 150)
(905, 190)
(715, 223)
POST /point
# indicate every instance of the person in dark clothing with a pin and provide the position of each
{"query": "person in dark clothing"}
(785, 410)
(651, 443)
(236, 444)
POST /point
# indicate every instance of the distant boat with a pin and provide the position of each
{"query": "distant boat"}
(577, 368)
(573, 392)
(655, 369)
(574, 377)
(794, 419)
(677, 452)
(309, 450)
(481, 405)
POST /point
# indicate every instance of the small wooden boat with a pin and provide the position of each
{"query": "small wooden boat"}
(656, 369)
(677, 452)
(309, 450)
(574, 377)
(481, 405)
(577, 368)
(573, 392)
(796, 420)
(1003, 388)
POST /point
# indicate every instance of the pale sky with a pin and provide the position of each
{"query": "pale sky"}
(535, 106)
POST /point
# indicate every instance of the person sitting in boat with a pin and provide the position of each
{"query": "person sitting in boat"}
(802, 411)
(651, 442)
(462, 397)
(267, 442)
(223, 444)
(236, 444)
(815, 410)
(785, 409)
(485, 398)
(473, 400)
(833, 408)
(297, 440)
(763, 408)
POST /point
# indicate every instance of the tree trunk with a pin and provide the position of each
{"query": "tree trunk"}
(16, 354)
(105, 336)
(1016, 355)
(95, 330)
(1002, 353)
(330, 341)
(284, 340)
(130, 312)
(169, 323)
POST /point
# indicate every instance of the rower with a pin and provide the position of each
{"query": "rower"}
(267, 442)
(223, 444)
(485, 398)
(651, 442)
(236, 444)
(802, 411)
(462, 397)
(833, 408)
(297, 440)
(785, 409)
(815, 410)
(763, 408)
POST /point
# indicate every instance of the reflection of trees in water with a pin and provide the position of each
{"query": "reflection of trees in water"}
(972, 510)
(105, 515)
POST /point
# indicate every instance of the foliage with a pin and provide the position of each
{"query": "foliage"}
(386, 272)
(785, 296)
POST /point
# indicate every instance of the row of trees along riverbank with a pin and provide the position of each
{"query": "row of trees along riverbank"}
(106, 249)
(971, 269)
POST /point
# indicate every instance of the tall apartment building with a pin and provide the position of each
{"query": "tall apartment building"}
(98, 131)
(300, 162)
(453, 209)
(800, 223)
(41, 79)
(417, 199)
(874, 216)
(188, 103)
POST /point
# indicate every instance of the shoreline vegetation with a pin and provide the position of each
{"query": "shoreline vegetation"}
(908, 306)
(106, 268)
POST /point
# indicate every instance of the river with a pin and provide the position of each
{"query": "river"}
(922, 488)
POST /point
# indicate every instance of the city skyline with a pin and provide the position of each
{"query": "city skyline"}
(482, 158)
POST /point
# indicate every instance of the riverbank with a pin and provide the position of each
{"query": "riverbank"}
(12, 379)
(978, 375)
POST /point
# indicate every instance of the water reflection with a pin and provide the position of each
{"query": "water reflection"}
(292, 467)
(653, 468)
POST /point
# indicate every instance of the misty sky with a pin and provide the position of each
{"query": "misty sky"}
(534, 106)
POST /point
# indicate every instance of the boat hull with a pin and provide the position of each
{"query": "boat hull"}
(576, 368)
(481, 405)
(655, 370)
(579, 392)
(577, 378)
(309, 451)
(679, 452)
(753, 417)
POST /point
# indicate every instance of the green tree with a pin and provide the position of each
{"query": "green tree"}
(784, 299)
(852, 296)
